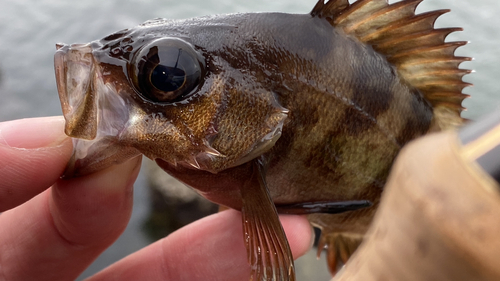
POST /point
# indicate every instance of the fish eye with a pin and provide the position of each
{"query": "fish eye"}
(166, 70)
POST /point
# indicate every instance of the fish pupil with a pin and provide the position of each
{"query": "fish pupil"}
(167, 79)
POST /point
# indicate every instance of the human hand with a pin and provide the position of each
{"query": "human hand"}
(52, 229)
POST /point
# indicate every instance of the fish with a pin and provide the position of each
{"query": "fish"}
(268, 113)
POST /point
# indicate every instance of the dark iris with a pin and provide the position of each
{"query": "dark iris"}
(167, 70)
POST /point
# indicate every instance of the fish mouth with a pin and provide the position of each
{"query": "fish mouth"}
(95, 113)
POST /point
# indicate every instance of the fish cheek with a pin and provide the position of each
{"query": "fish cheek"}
(177, 133)
(155, 136)
(249, 126)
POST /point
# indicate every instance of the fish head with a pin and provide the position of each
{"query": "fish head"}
(162, 89)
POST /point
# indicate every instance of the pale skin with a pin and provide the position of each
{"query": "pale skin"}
(52, 229)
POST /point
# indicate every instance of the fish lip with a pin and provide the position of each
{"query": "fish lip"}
(74, 65)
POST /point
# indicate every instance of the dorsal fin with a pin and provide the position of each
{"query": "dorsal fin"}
(409, 41)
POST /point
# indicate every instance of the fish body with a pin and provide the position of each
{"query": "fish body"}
(302, 112)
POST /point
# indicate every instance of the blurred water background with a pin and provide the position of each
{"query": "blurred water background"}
(29, 30)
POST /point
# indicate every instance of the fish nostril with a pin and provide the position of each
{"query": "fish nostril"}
(78, 45)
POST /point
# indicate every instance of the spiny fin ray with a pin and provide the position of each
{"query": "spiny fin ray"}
(330, 9)
(339, 247)
(390, 13)
(403, 43)
(410, 42)
(404, 26)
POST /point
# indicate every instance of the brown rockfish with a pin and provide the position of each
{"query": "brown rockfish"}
(268, 113)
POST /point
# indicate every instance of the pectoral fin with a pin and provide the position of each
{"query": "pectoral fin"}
(268, 251)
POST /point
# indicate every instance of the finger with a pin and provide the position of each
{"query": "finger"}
(33, 155)
(209, 249)
(58, 233)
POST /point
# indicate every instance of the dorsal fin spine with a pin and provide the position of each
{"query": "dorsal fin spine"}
(409, 41)
(445, 50)
(359, 10)
(399, 44)
(329, 10)
(404, 26)
(391, 13)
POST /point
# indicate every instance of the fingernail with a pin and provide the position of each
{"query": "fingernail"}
(112, 179)
(33, 133)
(118, 176)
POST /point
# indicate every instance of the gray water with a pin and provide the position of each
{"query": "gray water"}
(30, 29)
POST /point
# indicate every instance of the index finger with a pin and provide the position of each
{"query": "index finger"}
(33, 155)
